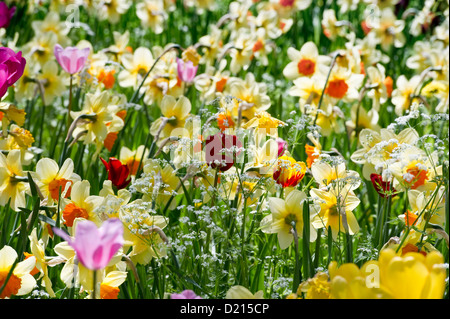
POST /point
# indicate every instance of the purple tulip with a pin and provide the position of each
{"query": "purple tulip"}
(71, 59)
(186, 294)
(186, 70)
(12, 66)
(6, 14)
(94, 246)
(282, 146)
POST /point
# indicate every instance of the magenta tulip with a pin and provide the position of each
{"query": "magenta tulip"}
(6, 14)
(94, 246)
(71, 59)
(282, 146)
(186, 70)
(12, 66)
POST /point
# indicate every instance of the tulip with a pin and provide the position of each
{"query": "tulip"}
(186, 70)
(186, 294)
(12, 66)
(383, 188)
(117, 172)
(289, 172)
(218, 151)
(94, 246)
(282, 146)
(6, 14)
(71, 59)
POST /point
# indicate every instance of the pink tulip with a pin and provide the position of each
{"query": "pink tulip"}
(282, 146)
(12, 66)
(186, 294)
(94, 246)
(186, 70)
(6, 14)
(71, 59)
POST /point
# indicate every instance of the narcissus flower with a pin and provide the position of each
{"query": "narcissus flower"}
(412, 276)
(13, 181)
(305, 62)
(288, 172)
(95, 246)
(336, 211)
(287, 214)
(21, 282)
(118, 173)
(51, 179)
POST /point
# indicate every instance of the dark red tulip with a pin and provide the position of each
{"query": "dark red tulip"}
(218, 150)
(383, 188)
(118, 173)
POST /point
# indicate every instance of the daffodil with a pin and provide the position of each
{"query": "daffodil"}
(133, 158)
(136, 65)
(52, 180)
(152, 15)
(20, 282)
(336, 210)
(174, 114)
(92, 121)
(412, 276)
(286, 218)
(144, 232)
(51, 81)
(38, 251)
(377, 147)
(327, 175)
(13, 181)
(402, 96)
(415, 169)
(306, 62)
(157, 183)
(81, 204)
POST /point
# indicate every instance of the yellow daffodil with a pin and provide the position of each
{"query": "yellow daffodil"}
(285, 215)
(52, 82)
(144, 232)
(13, 181)
(412, 276)
(377, 147)
(136, 65)
(152, 14)
(133, 158)
(334, 176)
(95, 119)
(157, 183)
(336, 210)
(38, 251)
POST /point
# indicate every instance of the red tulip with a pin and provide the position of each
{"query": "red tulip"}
(383, 188)
(118, 173)
(218, 150)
